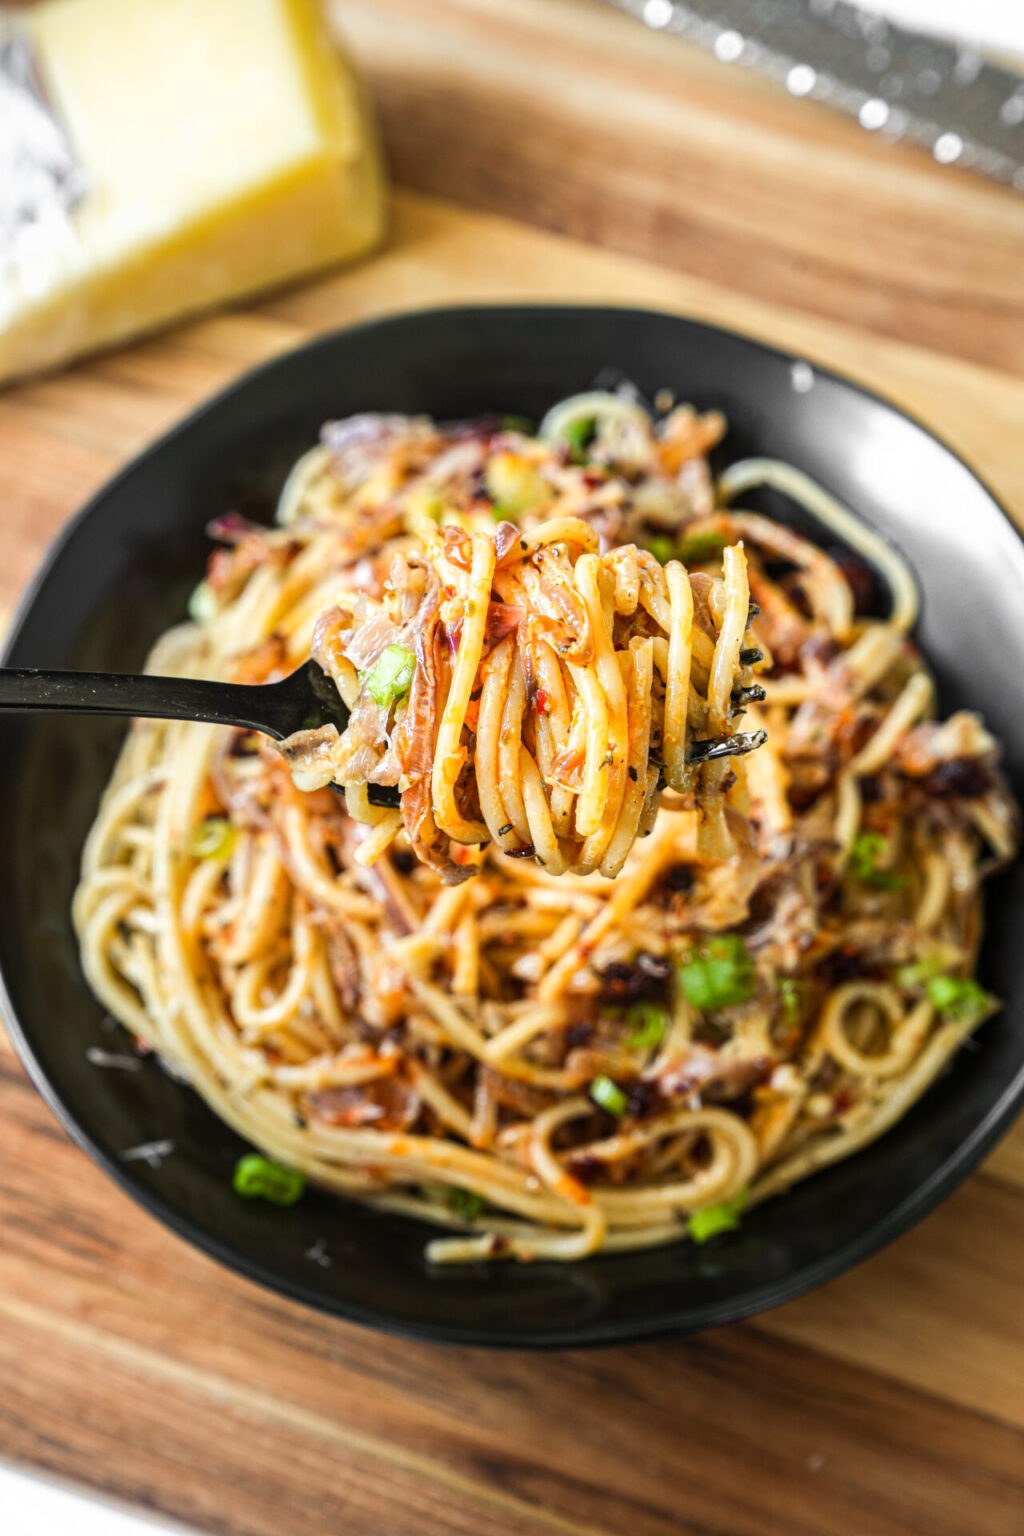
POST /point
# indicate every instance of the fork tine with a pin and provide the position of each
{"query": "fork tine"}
(725, 746)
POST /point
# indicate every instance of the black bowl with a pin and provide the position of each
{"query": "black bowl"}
(120, 574)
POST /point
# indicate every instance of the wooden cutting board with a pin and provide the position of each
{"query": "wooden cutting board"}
(887, 1403)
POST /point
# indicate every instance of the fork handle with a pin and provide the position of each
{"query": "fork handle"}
(27, 689)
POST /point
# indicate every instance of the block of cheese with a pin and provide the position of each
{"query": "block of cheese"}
(224, 147)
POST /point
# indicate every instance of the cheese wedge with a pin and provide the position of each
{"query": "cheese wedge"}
(225, 148)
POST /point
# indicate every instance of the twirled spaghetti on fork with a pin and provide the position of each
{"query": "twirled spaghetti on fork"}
(523, 687)
(544, 641)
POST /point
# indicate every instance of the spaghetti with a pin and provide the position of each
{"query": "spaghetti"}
(550, 1067)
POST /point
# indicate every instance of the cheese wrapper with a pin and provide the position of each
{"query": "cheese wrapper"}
(219, 147)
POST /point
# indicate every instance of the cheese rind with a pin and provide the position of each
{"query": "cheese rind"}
(226, 149)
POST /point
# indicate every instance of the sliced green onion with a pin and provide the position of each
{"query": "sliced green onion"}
(869, 848)
(712, 1219)
(691, 551)
(663, 547)
(431, 505)
(257, 1178)
(389, 677)
(202, 603)
(214, 838)
(718, 975)
(699, 547)
(514, 484)
(576, 420)
(956, 998)
(609, 1096)
(789, 997)
(577, 436)
(648, 1023)
(918, 972)
(524, 424)
(464, 1202)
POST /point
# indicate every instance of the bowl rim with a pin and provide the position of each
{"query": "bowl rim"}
(943, 1180)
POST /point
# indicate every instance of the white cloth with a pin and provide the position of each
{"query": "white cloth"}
(32, 1505)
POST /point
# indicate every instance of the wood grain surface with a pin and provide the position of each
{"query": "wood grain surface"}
(572, 115)
(888, 1403)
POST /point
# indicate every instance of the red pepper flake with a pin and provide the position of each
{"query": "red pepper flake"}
(571, 1189)
(542, 702)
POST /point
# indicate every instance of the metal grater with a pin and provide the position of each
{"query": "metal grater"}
(902, 85)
